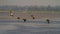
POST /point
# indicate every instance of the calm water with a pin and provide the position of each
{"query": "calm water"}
(29, 27)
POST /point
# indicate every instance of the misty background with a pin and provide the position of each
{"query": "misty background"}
(30, 5)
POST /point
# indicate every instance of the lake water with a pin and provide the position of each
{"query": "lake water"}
(29, 27)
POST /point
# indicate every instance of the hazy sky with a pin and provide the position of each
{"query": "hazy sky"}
(30, 2)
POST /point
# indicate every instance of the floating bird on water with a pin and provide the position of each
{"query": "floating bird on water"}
(11, 13)
(18, 17)
(24, 19)
(32, 16)
(48, 21)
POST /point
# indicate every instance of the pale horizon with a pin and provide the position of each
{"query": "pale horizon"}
(29, 2)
